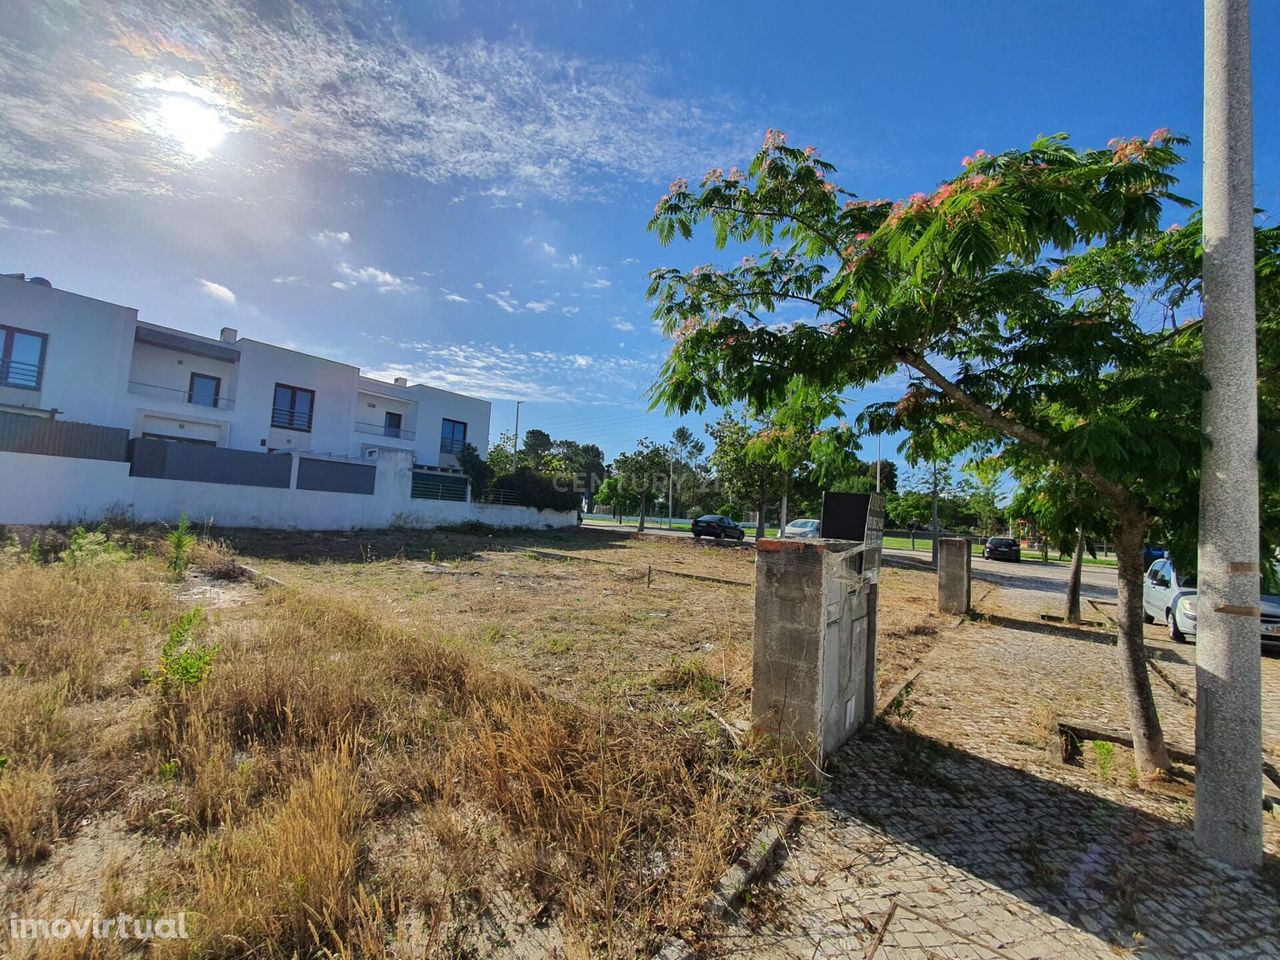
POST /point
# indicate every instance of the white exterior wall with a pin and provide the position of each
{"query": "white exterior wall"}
(434, 406)
(91, 357)
(262, 366)
(170, 372)
(87, 355)
(58, 490)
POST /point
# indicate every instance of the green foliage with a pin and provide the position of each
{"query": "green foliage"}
(183, 662)
(168, 770)
(643, 472)
(91, 548)
(180, 540)
(1038, 309)
(532, 489)
(477, 469)
(35, 550)
(1104, 753)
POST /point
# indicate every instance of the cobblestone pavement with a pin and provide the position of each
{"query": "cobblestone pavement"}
(956, 833)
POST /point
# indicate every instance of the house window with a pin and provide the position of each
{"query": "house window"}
(293, 408)
(204, 390)
(453, 436)
(21, 358)
(391, 424)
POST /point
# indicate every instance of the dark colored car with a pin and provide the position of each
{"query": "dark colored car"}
(1002, 548)
(716, 526)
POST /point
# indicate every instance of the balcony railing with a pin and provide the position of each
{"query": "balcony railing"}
(19, 373)
(382, 430)
(178, 395)
(288, 419)
(450, 445)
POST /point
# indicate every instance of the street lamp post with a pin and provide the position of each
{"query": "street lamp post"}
(515, 440)
(1228, 668)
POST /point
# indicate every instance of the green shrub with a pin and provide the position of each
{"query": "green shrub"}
(91, 549)
(181, 540)
(183, 662)
(532, 489)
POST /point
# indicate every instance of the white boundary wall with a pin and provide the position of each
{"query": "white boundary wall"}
(36, 489)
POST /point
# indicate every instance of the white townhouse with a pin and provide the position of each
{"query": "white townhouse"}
(101, 412)
(76, 358)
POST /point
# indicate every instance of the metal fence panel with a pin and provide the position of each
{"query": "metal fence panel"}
(20, 433)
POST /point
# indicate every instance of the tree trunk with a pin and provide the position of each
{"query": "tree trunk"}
(760, 516)
(782, 516)
(1144, 722)
(1073, 580)
(640, 528)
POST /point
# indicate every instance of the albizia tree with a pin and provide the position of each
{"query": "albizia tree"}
(962, 288)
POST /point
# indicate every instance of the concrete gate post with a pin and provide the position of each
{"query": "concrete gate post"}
(954, 584)
(814, 667)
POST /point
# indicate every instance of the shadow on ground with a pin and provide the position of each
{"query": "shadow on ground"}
(351, 546)
(1120, 873)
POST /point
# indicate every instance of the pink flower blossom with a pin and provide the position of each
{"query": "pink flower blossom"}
(810, 151)
(1159, 136)
(967, 161)
(774, 139)
(679, 185)
(979, 153)
(862, 237)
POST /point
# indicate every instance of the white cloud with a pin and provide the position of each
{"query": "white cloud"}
(511, 372)
(384, 281)
(538, 306)
(599, 283)
(291, 278)
(346, 85)
(339, 285)
(217, 291)
(569, 311)
(624, 325)
(19, 203)
(6, 225)
(500, 300)
(548, 249)
(628, 261)
(478, 285)
(332, 238)
(455, 298)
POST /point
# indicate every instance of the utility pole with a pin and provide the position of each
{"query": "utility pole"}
(515, 441)
(935, 516)
(1228, 668)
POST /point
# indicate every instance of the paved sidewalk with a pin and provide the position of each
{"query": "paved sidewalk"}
(957, 834)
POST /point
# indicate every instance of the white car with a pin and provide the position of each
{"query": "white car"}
(1170, 597)
(803, 529)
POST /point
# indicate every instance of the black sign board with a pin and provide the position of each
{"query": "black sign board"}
(853, 516)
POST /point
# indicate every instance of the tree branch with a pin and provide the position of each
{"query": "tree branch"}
(1119, 496)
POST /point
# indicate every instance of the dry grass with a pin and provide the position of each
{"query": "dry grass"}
(90, 621)
(334, 775)
(28, 811)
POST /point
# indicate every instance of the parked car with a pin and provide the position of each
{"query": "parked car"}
(1002, 548)
(1169, 597)
(803, 529)
(716, 526)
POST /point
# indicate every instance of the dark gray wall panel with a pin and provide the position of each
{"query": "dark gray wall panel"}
(168, 460)
(20, 433)
(334, 476)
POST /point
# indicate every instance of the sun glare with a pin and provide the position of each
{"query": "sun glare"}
(195, 127)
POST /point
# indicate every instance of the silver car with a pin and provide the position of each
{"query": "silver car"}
(1170, 598)
(803, 530)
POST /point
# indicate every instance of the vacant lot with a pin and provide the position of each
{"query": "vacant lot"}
(443, 744)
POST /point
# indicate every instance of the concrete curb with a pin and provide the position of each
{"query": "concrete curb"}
(756, 862)
(257, 576)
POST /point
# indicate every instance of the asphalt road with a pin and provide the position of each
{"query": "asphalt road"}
(1096, 582)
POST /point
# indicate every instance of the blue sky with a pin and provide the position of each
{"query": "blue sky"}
(459, 192)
